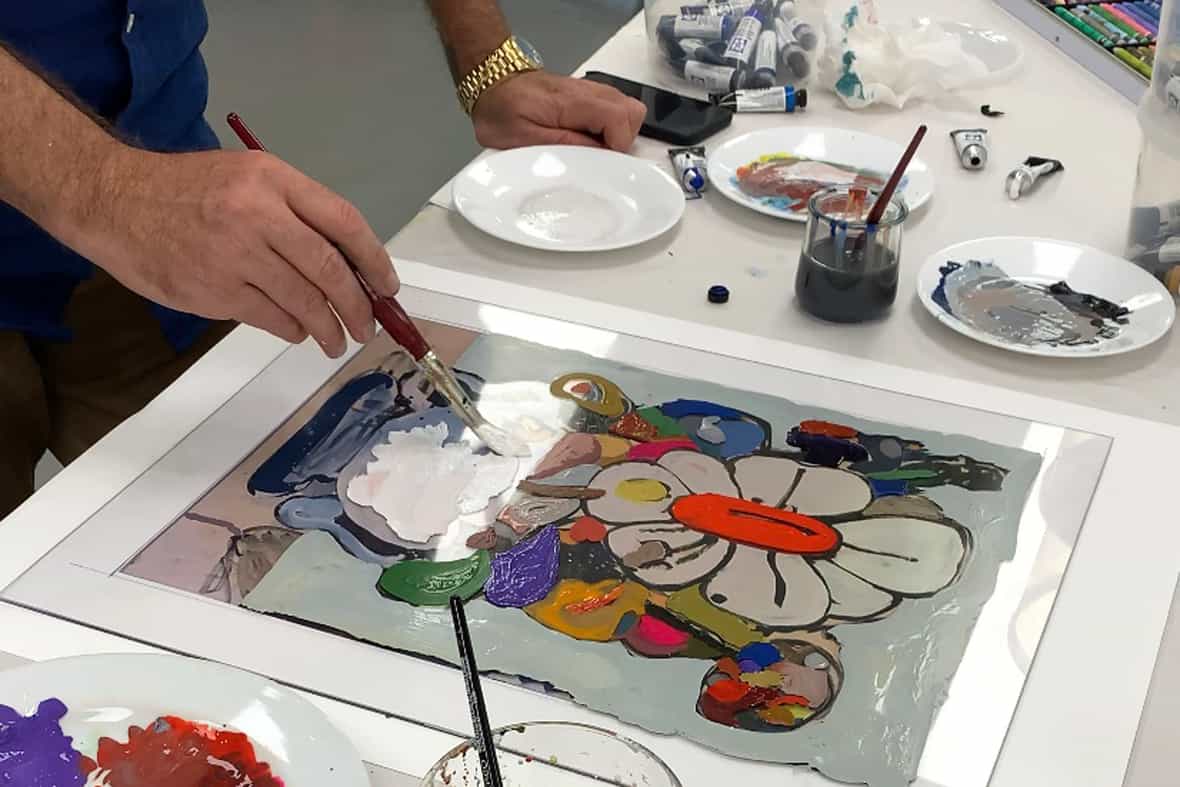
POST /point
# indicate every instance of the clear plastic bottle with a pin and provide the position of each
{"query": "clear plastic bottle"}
(1153, 239)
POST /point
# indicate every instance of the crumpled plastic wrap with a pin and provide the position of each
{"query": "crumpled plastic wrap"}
(867, 62)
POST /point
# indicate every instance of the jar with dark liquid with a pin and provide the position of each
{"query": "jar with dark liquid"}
(848, 269)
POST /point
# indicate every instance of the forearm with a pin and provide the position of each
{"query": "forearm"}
(51, 153)
(470, 30)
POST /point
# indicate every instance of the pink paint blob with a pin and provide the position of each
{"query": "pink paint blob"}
(660, 633)
(650, 452)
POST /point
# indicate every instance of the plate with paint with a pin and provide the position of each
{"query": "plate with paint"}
(775, 171)
(566, 198)
(149, 720)
(1045, 297)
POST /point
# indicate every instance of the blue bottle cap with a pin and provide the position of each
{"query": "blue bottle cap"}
(718, 294)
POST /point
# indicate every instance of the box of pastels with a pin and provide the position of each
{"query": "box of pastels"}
(1154, 231)
(720, 46)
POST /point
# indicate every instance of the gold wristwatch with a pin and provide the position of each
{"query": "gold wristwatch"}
(514, 56)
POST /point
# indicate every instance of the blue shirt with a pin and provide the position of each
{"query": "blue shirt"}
(135, 63)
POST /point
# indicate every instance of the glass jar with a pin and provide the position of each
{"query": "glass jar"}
(848, 269)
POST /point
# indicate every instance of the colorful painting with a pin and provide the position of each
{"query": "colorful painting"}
(777, 581)
(35, 752)
(984, 297)
(785, 182)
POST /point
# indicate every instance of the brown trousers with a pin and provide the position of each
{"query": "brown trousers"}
(63, 397)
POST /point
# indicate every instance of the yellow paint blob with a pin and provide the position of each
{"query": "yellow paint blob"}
(642, 490)
(604, 604)
(784, 715)
(766, 679)
(614, 448)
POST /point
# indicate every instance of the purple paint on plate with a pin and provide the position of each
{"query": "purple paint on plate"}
(34, 752)
(526, 573)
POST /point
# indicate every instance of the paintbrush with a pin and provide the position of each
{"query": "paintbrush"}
(489, 763)
(400, 327)
(878, 209)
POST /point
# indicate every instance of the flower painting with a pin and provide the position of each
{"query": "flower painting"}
(748, 570)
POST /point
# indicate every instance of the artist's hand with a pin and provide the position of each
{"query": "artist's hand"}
(238, 236)
(539, 108)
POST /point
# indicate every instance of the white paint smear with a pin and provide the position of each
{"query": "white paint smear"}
(419, 486)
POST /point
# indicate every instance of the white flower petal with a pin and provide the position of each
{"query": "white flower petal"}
(911, 557)
(699, 472)
(827, 491)
(617, 504)
(772, 589)
(766, 479)
(852, 597)
(666, 556)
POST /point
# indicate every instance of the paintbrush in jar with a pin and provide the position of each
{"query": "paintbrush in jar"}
(393, 318)
(489, 763)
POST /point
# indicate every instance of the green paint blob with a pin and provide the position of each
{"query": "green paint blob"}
(903, 475)
(424, 583)
(667, 427)
(690, 606)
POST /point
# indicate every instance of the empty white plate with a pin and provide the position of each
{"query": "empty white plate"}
(827, 146)
(989, 315)
(104, 695)
(562, 198)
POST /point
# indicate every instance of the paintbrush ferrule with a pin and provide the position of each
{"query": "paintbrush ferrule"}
(445, 382)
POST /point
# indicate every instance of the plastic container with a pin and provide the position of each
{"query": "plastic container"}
(1153, 239)
(719, 46)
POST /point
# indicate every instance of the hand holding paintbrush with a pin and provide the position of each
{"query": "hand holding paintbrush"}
(393, 318)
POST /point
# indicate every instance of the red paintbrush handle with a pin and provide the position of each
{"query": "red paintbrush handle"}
(397, 324)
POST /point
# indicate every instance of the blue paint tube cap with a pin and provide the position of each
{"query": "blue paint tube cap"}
(718, 294)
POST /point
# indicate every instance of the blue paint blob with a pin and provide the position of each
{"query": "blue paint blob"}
(939, 294)
(882, 488)
(685, 407)
(326, 515)
(526, 573)
(34, 752)
(824, 450)
(761, 653)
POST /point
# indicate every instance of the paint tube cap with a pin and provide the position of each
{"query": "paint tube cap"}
(718, 293)
(974, 157)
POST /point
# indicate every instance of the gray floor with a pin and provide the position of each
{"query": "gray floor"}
(356, 93)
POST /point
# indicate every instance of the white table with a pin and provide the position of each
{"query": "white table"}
(719, 242)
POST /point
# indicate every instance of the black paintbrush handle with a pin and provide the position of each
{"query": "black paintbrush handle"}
(489, 763)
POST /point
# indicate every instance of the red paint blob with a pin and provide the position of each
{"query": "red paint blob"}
(728, 691)
(789, 699)
(725, 712)
(650, 452)
(587, 528)
(754, 524)
(828, 429)
(180, 753)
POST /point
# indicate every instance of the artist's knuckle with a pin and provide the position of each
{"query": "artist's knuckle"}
(349, 218)
(328, 266)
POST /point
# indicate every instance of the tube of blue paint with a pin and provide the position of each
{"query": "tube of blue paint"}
(767, 99)
(765, 61)
(690, 167)
(791, 51)
(703, 51)
(745, 36)
(714, 79)
(804, 33)
(731, 8)
(706, 28)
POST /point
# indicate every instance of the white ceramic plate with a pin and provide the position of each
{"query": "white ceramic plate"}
(1041, 261)
(833, 145)
(562, 198)
(106, 694)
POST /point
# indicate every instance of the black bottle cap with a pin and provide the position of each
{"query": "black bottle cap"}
(718, 294)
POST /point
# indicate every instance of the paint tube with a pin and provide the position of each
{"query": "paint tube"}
(732, 8)
(791, 51)
(689, 165)
(1021, 179)
(765, 61)
(1153, 222)
(804, 33)
(714, 79)
(1164, 256)
(971, 145)
(770, 99)
(706, 28)
(702, 51)
(745, 37)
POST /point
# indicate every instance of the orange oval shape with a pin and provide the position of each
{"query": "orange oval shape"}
(754, 524)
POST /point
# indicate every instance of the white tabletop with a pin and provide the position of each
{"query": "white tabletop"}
(755, 256)
(719, 242)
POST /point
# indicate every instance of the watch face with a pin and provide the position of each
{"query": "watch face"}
(530, 51)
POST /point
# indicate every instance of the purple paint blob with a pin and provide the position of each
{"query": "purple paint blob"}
(34, 752)
(526, 573)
